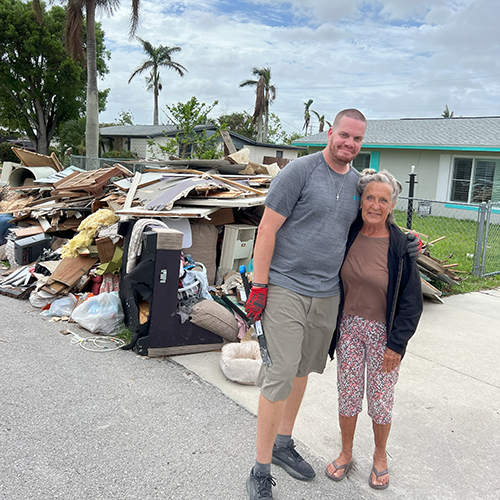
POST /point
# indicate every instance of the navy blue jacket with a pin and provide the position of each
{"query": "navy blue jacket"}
(404, 291)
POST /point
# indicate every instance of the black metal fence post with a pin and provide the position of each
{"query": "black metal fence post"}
(411, 190)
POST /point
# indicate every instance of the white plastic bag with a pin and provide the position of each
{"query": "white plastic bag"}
(61, 307)
(100, 314)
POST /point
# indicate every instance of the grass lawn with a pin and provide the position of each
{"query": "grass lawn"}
(457, 247)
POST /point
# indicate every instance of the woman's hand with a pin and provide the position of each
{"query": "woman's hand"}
(391, 360)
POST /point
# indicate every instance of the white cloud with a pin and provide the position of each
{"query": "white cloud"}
(392, 59)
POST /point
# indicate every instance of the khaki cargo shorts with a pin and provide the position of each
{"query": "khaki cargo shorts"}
(298, 331)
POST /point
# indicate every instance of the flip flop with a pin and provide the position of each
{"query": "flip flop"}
(346, 468)
(378, 474)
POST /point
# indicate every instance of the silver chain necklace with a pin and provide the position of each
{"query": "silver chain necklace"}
(337, 196)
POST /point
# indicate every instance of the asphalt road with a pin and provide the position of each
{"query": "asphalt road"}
(83, 425)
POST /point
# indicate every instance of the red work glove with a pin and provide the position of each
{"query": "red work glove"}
(255, 303)
(414, 246)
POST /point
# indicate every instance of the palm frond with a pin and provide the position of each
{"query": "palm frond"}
(134, 18)
(73, 29)
(145, 66)
(248, 83)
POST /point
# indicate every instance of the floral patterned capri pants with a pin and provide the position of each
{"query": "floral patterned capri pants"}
(362, 343)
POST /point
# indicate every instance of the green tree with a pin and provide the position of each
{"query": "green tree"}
(124, 118)
(265, 95)
(40, 85)
(72, 137)
(191, 140)
(277, 135)
(158, 57)
(447, 113)
(73, 37)
(239, 123)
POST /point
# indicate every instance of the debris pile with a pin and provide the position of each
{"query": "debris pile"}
(67, 231)
(433, 269)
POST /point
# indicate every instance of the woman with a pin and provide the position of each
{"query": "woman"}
(381, 304)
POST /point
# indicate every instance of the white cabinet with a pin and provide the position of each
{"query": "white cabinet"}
(237, 248)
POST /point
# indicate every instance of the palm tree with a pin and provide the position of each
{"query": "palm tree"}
(307, 115)
(322, 121)
(265, 95)
(157, 57)
(447, 113)
(73, 36)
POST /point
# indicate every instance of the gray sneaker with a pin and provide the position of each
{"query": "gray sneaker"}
(259, 486)
(288, 458)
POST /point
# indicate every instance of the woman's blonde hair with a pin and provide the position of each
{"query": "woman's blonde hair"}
(370, 175)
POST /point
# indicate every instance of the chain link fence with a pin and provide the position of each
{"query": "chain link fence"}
(489, 236)
(466, 234)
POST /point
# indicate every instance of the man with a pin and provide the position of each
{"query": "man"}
(298, 253)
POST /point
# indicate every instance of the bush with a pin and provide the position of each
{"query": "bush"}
(6, 154)
(120, 154)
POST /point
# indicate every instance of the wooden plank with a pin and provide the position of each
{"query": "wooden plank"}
(131, 192)
(28, 231)
(435, 241)
(229, 148)
(420, 235)
(124, 170)
(187, 349)
(70, 270)
(176, 211)
(251, 201)
(31, 159)
(430, 263)
(429, 291)
(218, 178)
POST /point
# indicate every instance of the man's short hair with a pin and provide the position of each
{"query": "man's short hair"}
(350, 113)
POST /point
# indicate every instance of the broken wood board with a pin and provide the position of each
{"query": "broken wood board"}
(153, 165)
(430, 291)
(93, 182)
(176, 211)
(133, 188)
(68, 273)
(241, 202)
(436, 268)
(244, 186)
(146, 180)
(167, 199)
(57, 176)
(124, 170)
(17, 292)
(229, 147)
(30, 159)
(28, 231)
(240, 157)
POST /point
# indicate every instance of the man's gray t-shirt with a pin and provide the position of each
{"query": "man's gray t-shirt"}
(310, 245)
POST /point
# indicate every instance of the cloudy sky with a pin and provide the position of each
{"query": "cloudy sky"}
(391, 59)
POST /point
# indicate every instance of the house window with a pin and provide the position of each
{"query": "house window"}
(361, 162)
(279, 154)
(475, 180)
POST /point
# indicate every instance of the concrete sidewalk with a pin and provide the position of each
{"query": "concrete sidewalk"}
(116, 426)
(445, 439)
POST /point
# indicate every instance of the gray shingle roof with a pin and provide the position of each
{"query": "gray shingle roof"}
(460, 132)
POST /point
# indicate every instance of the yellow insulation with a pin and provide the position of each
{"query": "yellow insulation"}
(87, 230)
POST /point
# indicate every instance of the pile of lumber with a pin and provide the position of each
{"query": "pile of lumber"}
(433, 269)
